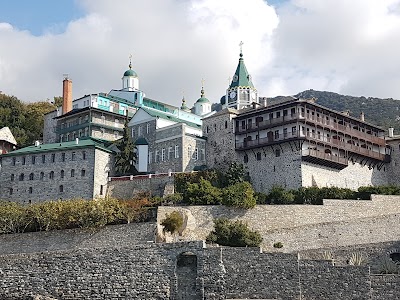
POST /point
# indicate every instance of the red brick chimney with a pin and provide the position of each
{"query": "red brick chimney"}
(67, 95)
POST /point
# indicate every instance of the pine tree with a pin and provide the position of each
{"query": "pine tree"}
(125, 160)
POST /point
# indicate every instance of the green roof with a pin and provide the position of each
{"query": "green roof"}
(82, 143)
(203, 100)
(241, 78)
(130, 73)
(141, 141)
(167, 116)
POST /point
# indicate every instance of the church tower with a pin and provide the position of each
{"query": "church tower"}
(130, 80)
(202, 106)
(241, 92)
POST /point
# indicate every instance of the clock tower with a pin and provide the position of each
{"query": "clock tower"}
(241, 92)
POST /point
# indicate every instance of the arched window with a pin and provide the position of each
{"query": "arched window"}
(41, 175)
(73, 173)
(51, 175)
(31, 176)
(62, 173)
(30, 190)
(21, 177)
(83, 172)
(226, 124)
(61, 188)
(246, 158)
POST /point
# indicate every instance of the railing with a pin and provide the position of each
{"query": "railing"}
(329, 124)
(75, 125)
(273, 139)
(325, 156)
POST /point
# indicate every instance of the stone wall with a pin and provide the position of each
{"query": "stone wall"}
(127, 187)
(299, 227)
(49, 135)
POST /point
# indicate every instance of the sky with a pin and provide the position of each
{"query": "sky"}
(348, 47)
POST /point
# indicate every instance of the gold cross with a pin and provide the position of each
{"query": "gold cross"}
(240, 45)
(202, 82)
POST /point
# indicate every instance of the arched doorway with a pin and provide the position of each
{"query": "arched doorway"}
(186, 274)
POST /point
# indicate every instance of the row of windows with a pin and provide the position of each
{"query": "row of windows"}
(258, 155)
(173, 152)
(140, 131)
(215, 127)
(21, 176)
(30, 190)
(34, 158)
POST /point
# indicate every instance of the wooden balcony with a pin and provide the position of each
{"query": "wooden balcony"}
(325, 159)
(313, 137)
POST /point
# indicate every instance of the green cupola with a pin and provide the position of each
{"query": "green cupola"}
(130, 80)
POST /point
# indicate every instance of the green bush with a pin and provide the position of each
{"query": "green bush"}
(233, 233)
(261, 198)
(174, 198)
(235, 174)
(202, 193)
(239, 195)
(172, 222)
(182, 179)
(278, 195)
(13, 217)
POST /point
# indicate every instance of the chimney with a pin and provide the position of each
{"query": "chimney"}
(362, 116)
(391, 132)
(67, 95)
(37, 143)
(77, 141)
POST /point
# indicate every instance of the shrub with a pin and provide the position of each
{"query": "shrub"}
(172, 222)
(13, 217)
(174, 198)
(233, 233)
(235, 174)
(202, 193)
(239, 195)
(182, 179)
(278, 245)
(279, 195)
(261, 198)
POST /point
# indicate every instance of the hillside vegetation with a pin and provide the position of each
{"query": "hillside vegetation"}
(381, 112)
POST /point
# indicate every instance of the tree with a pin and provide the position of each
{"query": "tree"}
(234, 233)
(240, 195)
(125, 159)
(172, 222)
(202, 193)
(236, 173)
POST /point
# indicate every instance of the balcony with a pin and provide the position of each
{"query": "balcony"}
(325, 159)
(266, 123)
(316, 138)
(60, 129)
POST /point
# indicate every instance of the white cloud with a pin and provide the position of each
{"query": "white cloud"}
(338, 45)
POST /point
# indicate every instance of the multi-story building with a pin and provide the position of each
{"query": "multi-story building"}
(75, 169)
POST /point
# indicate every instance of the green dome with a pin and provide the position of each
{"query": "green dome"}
(203, 100)
(130, 72)
(223, 100)
(141, 141)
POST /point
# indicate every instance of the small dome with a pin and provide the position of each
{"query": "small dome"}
(130, 72)
(203, 100)
(223, 100)
(141, 141)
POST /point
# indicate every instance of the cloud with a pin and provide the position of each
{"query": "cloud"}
(343, 46)
(174, 44)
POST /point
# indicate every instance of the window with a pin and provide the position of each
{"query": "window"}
(176, 151)
(73, 156)
(31, 176)
(196, 154)
(73, 173)
(30, 190)
(83, 173)
(103, 119)
(53, 157)
(207, 129)
(84, 155)
(133, 132)
(163, 154)
(189, 152)
(62, 156)
(156, 157)
(139, 130)
(226, 124)
(12, 177)
(276, 134)
(11, 191)
(61, 188)
(23, 160)
(246, 158)
(285, 112)
(33, 159)
(21, 177)
(148, 128)
(62, 174)
(150, 157)
(278, 114)
(285, 132)
(116, 134)
(51, 175)
(101, 189)
(41, 175)
(43, 158)
(277, 152)
(258, 155)
(294, 130)
(215, 127)
(13, 161)
(202, 154)
(170, 153)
